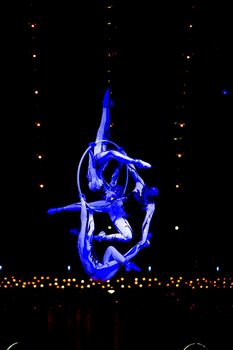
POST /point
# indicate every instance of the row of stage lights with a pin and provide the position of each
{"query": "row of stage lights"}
(118, 283)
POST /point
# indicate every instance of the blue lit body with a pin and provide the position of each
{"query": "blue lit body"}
(112, 201)
(112, 260)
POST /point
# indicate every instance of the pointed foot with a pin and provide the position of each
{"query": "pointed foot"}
(132, 266)
(142, 165)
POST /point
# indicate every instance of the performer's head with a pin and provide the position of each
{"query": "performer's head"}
(150, 194)
(95, 185)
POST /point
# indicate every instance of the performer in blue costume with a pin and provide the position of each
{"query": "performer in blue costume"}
(100, 156)
(112, 260)
(114, 206)
(114, 200)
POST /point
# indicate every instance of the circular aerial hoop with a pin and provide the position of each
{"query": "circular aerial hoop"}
(195, 346)
(83, 156)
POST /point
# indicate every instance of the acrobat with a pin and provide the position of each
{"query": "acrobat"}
(100, 155)
(114, 205)
(112, 260)
(114, 200)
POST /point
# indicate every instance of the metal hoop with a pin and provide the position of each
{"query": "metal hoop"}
(83, 156)
(201, 346)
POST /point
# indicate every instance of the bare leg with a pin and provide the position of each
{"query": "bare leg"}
(125, 232)
(127, 256)
(112, 254)
(94, 181)
(103, 131)
(104, 157)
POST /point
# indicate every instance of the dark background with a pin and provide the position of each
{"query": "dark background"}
(151, 42)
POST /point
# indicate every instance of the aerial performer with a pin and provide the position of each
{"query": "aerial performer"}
(102, 270)
(113, 200)
(114, 205)
(100, 155)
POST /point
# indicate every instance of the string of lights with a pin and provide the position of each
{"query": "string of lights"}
(151, 282)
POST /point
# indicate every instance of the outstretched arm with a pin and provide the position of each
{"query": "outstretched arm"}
(70, 207)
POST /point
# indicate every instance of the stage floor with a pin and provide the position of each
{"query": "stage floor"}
(76, 319)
